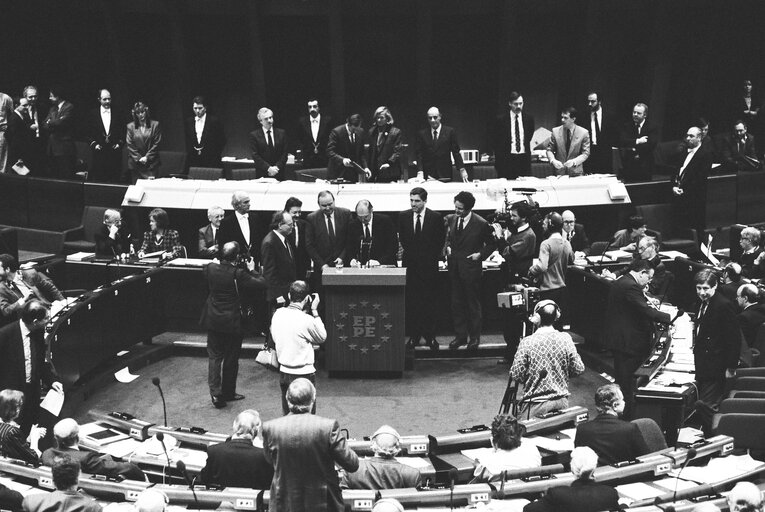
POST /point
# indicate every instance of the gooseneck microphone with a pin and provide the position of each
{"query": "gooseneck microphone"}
(155, 381)
(161, 439)
(452, 478)
(182, 468)
(689, 455)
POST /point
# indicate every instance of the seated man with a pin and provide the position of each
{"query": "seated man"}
(208, 235)
(613, 439)
(382, 471)
(730, 280)
(648, 249)
(111, 239)
(508, 451)
(238, 462)
(544, 363)
(752, 257)
(66, 498)
(752, 314)
(151, 500)
(67, 435)
(626, 239)
(574, 233)
(584, 495)
(745, 497)
(19, 286)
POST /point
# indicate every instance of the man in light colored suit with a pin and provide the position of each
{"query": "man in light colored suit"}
(208, 235)
(569, 145)
(303, 449)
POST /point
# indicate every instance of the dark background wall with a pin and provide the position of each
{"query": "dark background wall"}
(682, 58)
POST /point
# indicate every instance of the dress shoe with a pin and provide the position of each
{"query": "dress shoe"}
(433, 344)
(234, 397)
(413, 341)
(456, 343)
(218, 402)
(473, 345)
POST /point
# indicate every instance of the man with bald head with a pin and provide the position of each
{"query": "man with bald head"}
(574, 233)
(269, 147)
(67, 435)
(241, 227)
(151, 500)
(327, 235)
(112, 240)
(745, 496)
(435, 146)
(555, 255)
(382, 471)
(689, 183)
(752, 314)
(371, 238)
(207, 236)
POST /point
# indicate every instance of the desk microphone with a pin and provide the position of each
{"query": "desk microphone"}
(182, 468)
(608, 246)
(452, 478)
(155, 381)
(524, 190)
(680, 312)
(161, 439)
(689, 455)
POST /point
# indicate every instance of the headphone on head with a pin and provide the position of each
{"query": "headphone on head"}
(535, 318)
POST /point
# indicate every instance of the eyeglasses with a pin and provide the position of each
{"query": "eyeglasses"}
(569, 221)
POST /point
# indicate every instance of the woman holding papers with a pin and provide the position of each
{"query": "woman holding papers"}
(160, 240)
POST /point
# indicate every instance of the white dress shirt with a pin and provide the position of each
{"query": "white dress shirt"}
(106, 119)
(199, 127)
(244, 225)
(315, 127)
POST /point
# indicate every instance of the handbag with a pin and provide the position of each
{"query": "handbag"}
(267, 357)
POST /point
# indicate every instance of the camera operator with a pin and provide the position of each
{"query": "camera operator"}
(294, 331)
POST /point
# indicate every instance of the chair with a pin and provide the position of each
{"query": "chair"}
(205, 173)
(745, 429)
(742, 393)
(173, 162)
(750, 384)
(82, 238)
(661, 218)
(750, 372)
(743, 405)
(597, 248)
(244, 174)
(654, 437)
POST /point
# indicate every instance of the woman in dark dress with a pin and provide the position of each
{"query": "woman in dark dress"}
(13, 443)
(160, 237)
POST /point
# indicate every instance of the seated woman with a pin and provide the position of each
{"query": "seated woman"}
(508, 451)
(160, 237)
(12, 442)
(626, 239)
(142, 141)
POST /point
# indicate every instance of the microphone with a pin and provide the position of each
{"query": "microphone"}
(689, 455)
(155, 381)
(608, 246)
(182, 468)
(680, 312)
(452, 478)
(161, 439)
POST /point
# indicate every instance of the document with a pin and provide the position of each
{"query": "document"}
(53, 402)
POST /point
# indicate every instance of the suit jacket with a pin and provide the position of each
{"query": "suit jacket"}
(320, 247)
(750, 320)
(579, 242)
(339, 146)
(95, 463)
(222, 310)
(717, 341)
(477, 236)
(303, 449)
(434, 158)
(425, 252)
(629, 319)
(10, 499)
(579, 149)
(311, 158)
(140, 144)
(106, 165)
(628, 136)
(237, 463)
(735, 155)
(206, 240)
(384, 243)
(379, 473)
(613, 439)
(28, 144)
(61, 501)
(279, 268)
(265, 157)
(501, 137)
(60, 127)
(302, 259)
(582, 496)
(385, 150)
(693, 181)
(207, 152)
(12, 373)
(108, 247)
(42, 287)
(601, 156)
(230, 231)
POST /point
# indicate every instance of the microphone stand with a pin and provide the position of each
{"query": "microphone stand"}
(161, 439)
(155, 381)
(182, 468)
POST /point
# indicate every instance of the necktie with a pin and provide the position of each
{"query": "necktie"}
(597, 128)
(517, 135)
(295, 236)
(330, 228)
(289, 249)
(418, 226)
(568, 141)
(460, 226)
(380, 139)
(27, 342)
(435, 135)
(353, 137)
(367, 236)
(16, 289)
(270, 140)
(741, 147)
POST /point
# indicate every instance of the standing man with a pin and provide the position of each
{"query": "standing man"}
(435, 149)
(31, 136)
(512, 135)
(269, 147)
(295, 331)
(637, 142)
(345, 149)
(555, 255)
(204, 137)
(6, 111)
(222, 317)
(629, 326)
(304, 448)
(421, 233)
(313, 135)
(371, 238)
(278, 257)
(327, 233)
(469, 241)
(105, 133)
(241, 228)
(23, 365)
(294, 207)
(207, 236)
(689, 183)
(60, 126)
(601, 131)
(569, 145)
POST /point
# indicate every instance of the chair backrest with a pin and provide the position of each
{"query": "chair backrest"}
(597, 248)
(244, 174)
(205, 173)
(743, 393)
(92, 219)
(173, 162)
(654, 437)
(745, 429)
(743, 405)
(750, 383)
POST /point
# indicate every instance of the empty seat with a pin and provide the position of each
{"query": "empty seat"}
(244, 174)
(654, 437)
(745, 429)
(205, 173)
(750, 383)
(82, 238)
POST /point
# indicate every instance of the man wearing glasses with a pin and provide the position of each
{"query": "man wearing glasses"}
(574, 233)
(752, 259)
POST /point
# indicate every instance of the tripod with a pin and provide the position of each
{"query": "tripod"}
(509, 399)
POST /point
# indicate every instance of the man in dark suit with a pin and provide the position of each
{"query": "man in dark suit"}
(67, 434)
(112, 239)
(469, 241)
(371, 238)
(105, 134)
(17, 287)
(204, 136)
(717, 340)
(752, 314)
(345, 149)
(60, 126)
(222, 317)
(66, 498)
(511, 140)
(569, 145)
(385, 148)
(269, 147)
(435, 148)
(237, 462)
(612, 438)
(689, 183)
(294, 207)
(738, 150)
(29, 136)
(629, 325)
(303, 449)
(241, 227)
(25, 371)
(637, 142)
(601, 128)
(313, 135)
(327, 238)
(421, 233)
(207, 236)
(278, 258)
(575, 234)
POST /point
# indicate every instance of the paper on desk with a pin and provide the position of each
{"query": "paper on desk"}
(554, 445)
(671, 484)
(189, 457)
(720, 468)
(414, 462)
(673, 254)
(53, 402)
(689, 435)
(639, 491)
(15, 486)
(506, 505)
(669, 377)
(680, 367)
(121, 449)
(125, 376)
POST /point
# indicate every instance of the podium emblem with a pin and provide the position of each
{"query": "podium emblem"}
(363, 327)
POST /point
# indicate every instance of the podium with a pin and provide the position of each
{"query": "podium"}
(365, 317)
